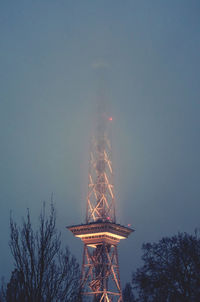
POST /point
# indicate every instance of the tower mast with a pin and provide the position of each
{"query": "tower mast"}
(100, 278)
(100, 199)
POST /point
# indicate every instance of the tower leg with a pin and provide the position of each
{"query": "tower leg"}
(100, 281)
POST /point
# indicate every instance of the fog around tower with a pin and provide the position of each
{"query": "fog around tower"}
(50, 55)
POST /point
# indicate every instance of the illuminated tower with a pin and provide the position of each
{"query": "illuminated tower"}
(100, 279)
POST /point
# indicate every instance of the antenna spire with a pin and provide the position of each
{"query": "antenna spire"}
(100, 279)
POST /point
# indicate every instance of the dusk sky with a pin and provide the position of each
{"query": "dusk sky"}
(48, 91)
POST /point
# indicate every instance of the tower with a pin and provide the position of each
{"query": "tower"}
(100, 278)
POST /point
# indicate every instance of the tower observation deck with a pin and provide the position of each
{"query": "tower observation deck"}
(100, 278)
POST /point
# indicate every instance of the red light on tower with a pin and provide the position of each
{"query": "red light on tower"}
(110, 118)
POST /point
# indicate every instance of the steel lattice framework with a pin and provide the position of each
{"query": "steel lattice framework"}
(100, 200)
(100, 278)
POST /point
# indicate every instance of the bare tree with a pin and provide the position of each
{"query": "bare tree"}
(2, 290)
(43, 271)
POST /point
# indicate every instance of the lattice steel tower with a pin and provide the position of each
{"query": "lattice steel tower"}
(100, 279)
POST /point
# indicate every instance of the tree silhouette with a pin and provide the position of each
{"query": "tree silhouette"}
(43, 271)
(128, 295)
(171, 270)
(2, 290)
(15, 288)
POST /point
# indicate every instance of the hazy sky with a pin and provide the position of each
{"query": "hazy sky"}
(47, 94)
